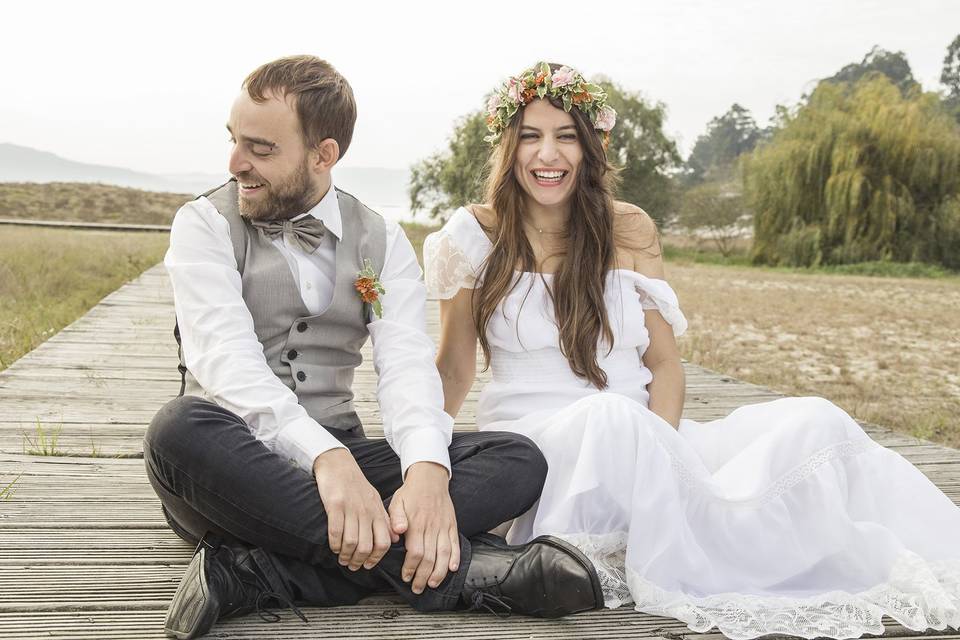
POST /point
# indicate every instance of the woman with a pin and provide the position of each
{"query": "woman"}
(783, 517)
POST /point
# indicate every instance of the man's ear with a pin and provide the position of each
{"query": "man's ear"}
(325, 155)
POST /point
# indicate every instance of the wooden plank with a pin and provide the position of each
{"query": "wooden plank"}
(84, 226)
(365, 621)
(359, 622)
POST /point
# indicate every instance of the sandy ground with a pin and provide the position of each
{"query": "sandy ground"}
(885, 349)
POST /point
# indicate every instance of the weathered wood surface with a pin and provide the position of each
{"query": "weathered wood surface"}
(89, 226)
(84, 550)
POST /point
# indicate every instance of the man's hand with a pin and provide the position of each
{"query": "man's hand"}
(357, 524)
(422, 510)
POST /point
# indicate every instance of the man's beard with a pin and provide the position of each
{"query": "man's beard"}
(282, 200)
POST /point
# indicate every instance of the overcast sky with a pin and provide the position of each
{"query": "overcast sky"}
(148, 87)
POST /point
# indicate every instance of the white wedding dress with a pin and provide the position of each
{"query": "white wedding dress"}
(783, 517)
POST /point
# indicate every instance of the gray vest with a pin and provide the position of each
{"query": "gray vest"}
(314, 355)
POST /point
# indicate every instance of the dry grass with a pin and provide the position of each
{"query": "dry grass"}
(44, 441)
(885, 349)
(7, 490)
(50, 277)
(87, 203)
(417, 233)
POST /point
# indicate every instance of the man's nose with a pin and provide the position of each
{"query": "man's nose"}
(238, 161)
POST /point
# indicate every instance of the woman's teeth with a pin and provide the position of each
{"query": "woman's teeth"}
(549, 177)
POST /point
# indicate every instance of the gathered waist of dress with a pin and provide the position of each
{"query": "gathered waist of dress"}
(550, 366)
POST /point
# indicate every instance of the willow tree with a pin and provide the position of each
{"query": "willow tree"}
(860, 172)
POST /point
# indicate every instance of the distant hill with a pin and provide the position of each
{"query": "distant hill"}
(88, 203)
(23, 164)
(379, 188)
(72, 201)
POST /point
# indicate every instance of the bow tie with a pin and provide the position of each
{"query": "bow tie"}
(306, 233)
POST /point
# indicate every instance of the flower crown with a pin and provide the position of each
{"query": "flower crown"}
(564, 84)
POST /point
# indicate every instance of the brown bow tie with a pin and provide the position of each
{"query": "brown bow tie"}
(306, 233)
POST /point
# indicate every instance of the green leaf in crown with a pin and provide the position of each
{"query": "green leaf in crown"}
(539, 81)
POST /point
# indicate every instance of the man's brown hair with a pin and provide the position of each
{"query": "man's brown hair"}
(324, 99)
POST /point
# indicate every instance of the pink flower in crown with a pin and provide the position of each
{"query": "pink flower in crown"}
(494, 103)
(513, 90)
(606, 119)
(563, 77)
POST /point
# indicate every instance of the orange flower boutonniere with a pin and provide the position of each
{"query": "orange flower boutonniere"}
(369, 287)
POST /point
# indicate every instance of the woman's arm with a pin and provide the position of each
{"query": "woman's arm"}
(662, 357)
(457, 355)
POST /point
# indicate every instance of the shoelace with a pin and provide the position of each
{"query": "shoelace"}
(479, 600)
(268, 615)
(265, 613)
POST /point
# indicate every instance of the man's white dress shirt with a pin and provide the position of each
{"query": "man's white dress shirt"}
(222, 352)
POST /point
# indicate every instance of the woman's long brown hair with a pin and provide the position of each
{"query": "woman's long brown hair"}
(589, 250)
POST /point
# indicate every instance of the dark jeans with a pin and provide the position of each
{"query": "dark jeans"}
(211, 474)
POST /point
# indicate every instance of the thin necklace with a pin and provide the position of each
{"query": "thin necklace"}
(539, 230)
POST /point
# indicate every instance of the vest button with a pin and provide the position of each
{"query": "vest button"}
(301, 376)
(301, 327)
(292, 354)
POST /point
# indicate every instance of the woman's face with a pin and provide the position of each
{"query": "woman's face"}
(548, 153)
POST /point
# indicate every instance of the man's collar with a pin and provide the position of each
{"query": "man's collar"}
(328, 211)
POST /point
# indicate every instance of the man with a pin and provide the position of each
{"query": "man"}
(269, 470)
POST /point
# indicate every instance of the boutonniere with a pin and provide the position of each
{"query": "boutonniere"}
(369, 287)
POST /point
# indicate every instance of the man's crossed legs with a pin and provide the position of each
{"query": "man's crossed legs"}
(214, 477)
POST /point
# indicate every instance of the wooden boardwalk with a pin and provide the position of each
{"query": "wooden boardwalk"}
(85, 552)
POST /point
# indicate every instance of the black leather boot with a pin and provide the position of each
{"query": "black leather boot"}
(546, 578)
(224, 580)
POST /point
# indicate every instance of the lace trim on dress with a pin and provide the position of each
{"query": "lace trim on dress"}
(787, 481)
(918, 594)
(657, 294)
(446, 268)
(608, 553)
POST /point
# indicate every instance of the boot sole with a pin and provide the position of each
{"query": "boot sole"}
(584, 561)
(191, 612)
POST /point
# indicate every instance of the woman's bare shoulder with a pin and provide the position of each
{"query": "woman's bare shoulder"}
(484, 214)
(634, 230)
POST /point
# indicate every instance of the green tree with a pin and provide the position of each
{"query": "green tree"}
(646, 157)
(860, 172)
(638, 146)
(892, 64)
(714, 212)
(454, 177)
(950, 78)
(727, 137)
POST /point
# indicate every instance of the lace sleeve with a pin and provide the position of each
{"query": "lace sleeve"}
(446, 268)
(657, 294)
